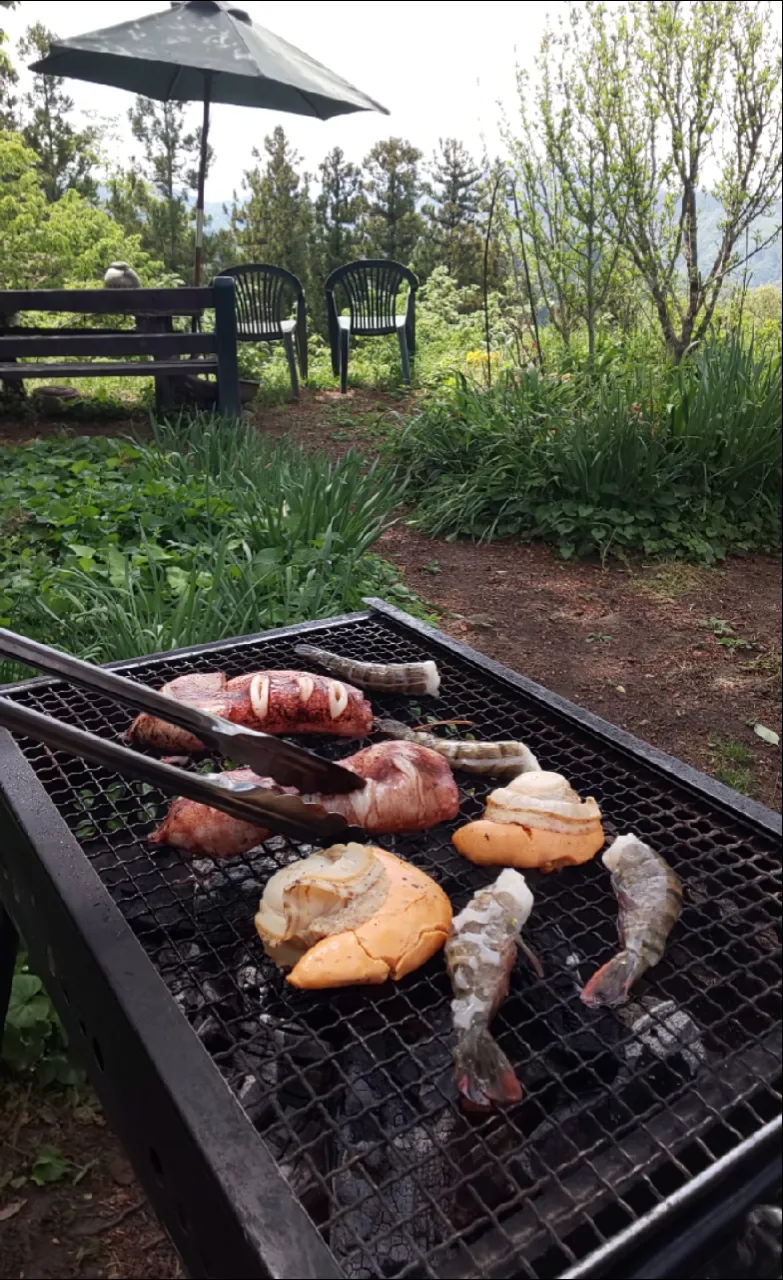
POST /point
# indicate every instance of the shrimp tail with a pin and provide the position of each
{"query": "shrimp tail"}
(483, 1073)
(612, 983)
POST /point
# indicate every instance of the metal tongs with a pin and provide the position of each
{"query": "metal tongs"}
(288, 765)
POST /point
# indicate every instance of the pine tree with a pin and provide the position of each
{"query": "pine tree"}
(67, 155)
(452, 237)
(8, 81)
(170, 156)
(392, 223)
(274, 224)
(338, 210)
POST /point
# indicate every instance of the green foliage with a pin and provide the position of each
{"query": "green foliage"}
(67, 157)
(34, 1041)
(451, 238)
(662, 93)
(392, 184)
(274, 224)
(159, 206)
(111, 548)
(9, 79)
(678, 461)
(338, 210)
(45, 245)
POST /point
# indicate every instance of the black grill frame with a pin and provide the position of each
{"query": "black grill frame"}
(217, 1189)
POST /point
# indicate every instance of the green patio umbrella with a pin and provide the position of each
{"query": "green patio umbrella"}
(205, 51)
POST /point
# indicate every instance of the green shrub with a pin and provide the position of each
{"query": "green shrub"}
(681, 461)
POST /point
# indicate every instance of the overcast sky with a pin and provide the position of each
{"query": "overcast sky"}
(441, 68)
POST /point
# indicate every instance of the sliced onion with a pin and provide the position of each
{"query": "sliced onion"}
(338, 699)
(306, 686)
(543, 800)
(309, 899)
(259, 696)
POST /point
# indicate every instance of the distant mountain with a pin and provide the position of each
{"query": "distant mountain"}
(765, 267)
(214, 209)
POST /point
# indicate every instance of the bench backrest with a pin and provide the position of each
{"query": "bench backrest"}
(149, 306)
(151, 336)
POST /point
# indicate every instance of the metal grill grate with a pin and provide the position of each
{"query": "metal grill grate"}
(351, 1090)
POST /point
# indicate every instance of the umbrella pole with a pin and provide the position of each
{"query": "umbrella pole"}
(202, 175)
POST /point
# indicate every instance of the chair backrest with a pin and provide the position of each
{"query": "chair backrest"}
(265, 297)
(371, 286)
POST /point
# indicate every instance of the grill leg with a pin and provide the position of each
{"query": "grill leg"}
(9, 945)
(404, 356)
(288, 343)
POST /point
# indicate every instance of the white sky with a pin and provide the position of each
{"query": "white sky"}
(441, 68)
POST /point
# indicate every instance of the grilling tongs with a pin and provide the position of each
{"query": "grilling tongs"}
(268, 756)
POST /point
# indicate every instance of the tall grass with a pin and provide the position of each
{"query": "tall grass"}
(688, 461)
(206, 531)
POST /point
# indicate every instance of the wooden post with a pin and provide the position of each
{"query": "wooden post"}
(229, 402)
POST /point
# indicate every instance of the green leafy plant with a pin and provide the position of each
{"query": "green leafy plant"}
(725, 635)
(34, 1042)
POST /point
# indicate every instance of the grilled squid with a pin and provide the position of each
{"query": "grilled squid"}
(408, 789)
(395, 677)
(352, 914)
(277, 702)
(537, 821)
(487, 759)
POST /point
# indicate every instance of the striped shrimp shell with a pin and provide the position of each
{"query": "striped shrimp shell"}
(395, 677)
(489, 759)
(649, 896)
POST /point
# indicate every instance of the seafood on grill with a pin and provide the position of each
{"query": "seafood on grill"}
(384, 677)
(408, 788)
(352, 914)
(488, 759)
(202, 831)
(480, 953)
(649, 896)
(536, 821)
(276, 702)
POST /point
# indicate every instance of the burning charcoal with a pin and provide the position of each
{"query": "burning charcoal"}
(664, 1030)
(253, 1093)
(187, 996)
(563, 1038)
(578, 1126)
(383, 1232)
(211, 1034)
(249, 978)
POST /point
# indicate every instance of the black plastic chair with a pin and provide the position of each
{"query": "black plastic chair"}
(265, 296)
(370, 288)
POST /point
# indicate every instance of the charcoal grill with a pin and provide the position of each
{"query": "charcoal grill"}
(284, 1133)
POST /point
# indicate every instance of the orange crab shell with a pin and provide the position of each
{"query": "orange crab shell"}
(509, 844)
(407, 930)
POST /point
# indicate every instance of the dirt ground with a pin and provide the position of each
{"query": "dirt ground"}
(93, 1219)
(686, 657)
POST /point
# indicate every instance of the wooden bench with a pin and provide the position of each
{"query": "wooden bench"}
(109, 353)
